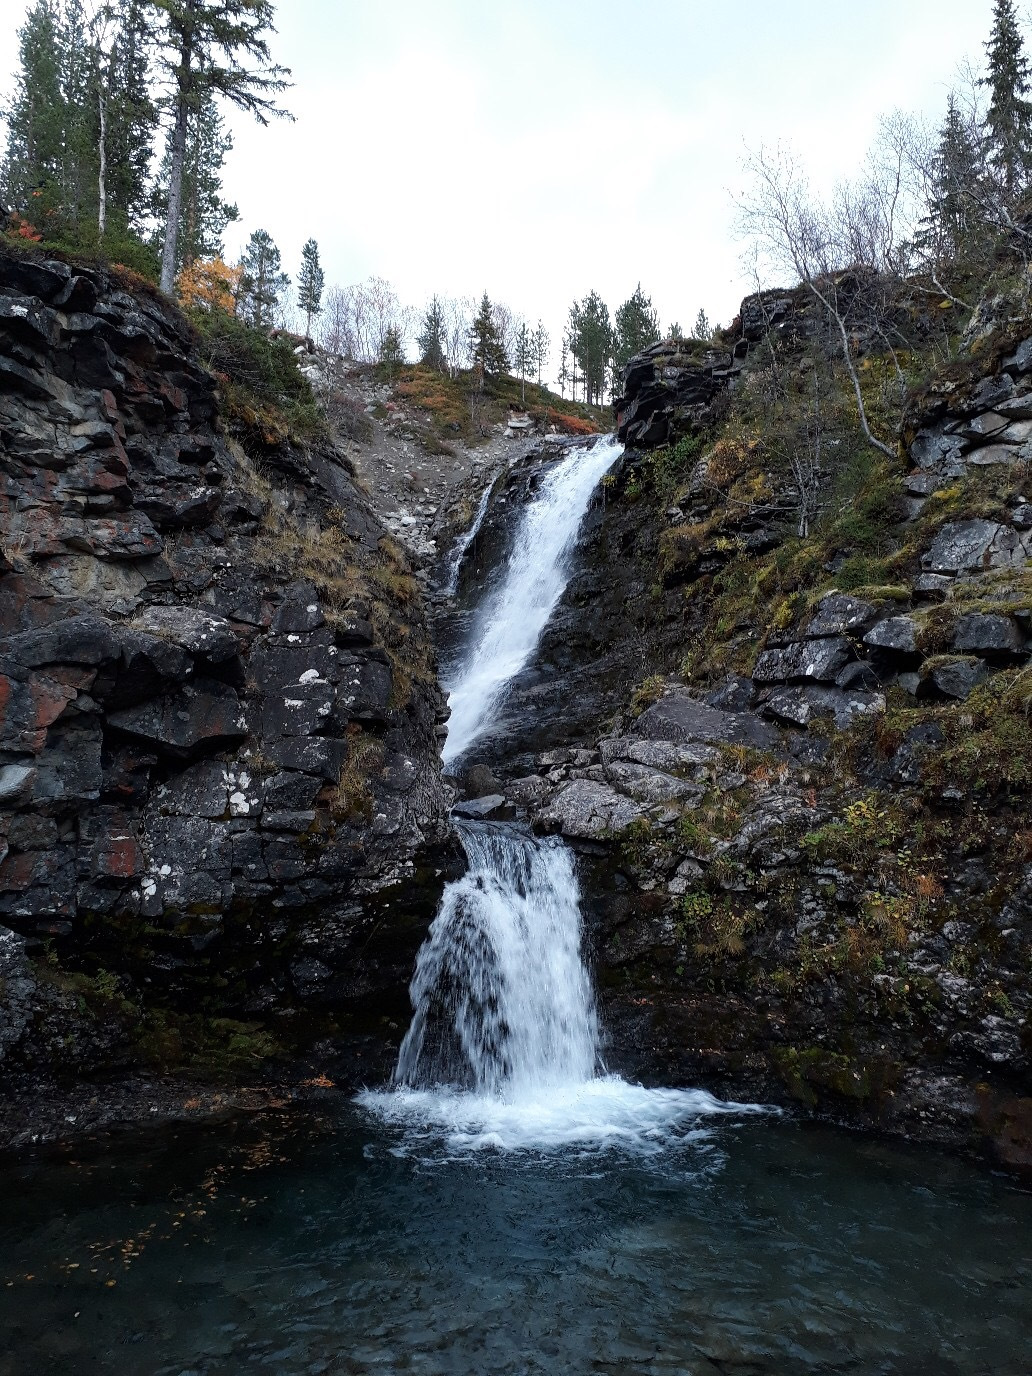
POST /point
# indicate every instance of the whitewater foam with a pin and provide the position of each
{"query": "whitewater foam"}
(602, 1114)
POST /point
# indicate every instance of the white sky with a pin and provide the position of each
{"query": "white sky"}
(547, 147)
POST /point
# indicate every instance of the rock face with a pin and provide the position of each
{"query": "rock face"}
(218, 710)
(808, 879)
(669, 389)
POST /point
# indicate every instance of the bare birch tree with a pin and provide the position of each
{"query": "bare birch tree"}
(825, 246)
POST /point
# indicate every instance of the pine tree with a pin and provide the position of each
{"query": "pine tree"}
(486, 347)
(392, 350)
(80, 81)
(523, 356)
(542, 341)
(127, 118)
(637, 326)
(955, 175)
(310, 283)
(1009, 118)
(674, 331)
(205, 45)
(702, 329)
(203, 214)
(431, 338)
(262, 284)
(33, 180)
(564, 364)
(591, 343)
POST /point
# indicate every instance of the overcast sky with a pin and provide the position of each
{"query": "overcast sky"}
(547, 147)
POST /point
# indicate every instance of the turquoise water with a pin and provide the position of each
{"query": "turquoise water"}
(339, 1243)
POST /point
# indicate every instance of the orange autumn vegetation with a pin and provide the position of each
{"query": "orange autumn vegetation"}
(571, 425)
(209, 283)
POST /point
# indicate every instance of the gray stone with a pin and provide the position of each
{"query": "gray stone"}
(530, 791)
(992, 455)
(922, 484)
(588, 810)
(817, 660)
(680, 718)
(1020, 361)
(735, 694)
(16, 782)
(1018, 432)
(982, 427)
(962, 545)
(196, 631)
(656, 754)
(957, 678)
(203, 713)
(1021, 516)
(649, 785)
(859, 675)
(838, 613)
(935, 587)
(932, 450)
(987, 634)
(897, 634)
(1017, 408)
(801, 705)
(494, 805)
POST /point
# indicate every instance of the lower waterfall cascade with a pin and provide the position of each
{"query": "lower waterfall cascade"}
(503, 1047)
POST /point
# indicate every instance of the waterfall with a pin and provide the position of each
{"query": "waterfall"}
(464, 541)
(503, 1002)
(502, 1050)
(509, 626)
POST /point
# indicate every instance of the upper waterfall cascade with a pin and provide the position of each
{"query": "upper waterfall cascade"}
(509, 625)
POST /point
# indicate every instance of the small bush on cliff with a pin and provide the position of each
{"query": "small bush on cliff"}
(263, 389)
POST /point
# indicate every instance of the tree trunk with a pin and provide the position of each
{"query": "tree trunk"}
(102, 178)
(175, 181)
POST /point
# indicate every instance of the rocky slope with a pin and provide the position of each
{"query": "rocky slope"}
(221, 808)
(805, 835)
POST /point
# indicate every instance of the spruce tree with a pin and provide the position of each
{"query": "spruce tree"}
(486, 347)
(542, 340)
(392, 350)
(431, 338)
(205, 45)
(637, 326)
(310, 283)
(34, 162)
(262, 284)
(591, 343)
(80, 80)
(1009, 118)
(951, 216)
(128, 116)
(674, 331)
(702, 330)
(523, 356)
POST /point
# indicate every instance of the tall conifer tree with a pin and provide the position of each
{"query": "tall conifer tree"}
(33, 179)
(310, 282)
(1009, 79)
(431, 338)
(205, 46)
(262, 283)
(485, 343)
(637, 326)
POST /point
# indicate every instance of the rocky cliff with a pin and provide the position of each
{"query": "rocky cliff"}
(220, 792)
(804, 834)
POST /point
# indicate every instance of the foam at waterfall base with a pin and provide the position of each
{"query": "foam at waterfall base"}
(596, 1115)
